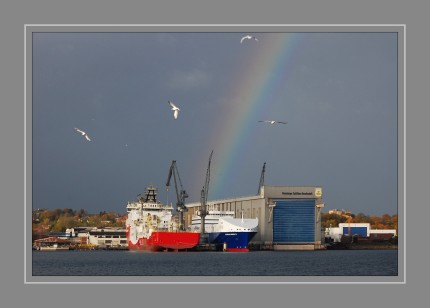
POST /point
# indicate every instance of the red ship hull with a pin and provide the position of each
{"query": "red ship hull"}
(237, 250)
(165, 240)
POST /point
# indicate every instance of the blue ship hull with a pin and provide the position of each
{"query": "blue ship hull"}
(235, 241)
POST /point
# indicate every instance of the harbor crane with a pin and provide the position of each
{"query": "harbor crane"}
(180, 194)
(203, 200)
(261, 184)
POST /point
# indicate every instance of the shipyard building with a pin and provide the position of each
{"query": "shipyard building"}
(358, 231)
(289, 217)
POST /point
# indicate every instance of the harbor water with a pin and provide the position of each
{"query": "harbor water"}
(255, 263)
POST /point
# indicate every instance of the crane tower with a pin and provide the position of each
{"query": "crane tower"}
(180, 194)
(204, 199)
(261, 178)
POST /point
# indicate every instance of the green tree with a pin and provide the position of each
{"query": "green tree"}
(361, 218)
(94, 220)
(63, 223)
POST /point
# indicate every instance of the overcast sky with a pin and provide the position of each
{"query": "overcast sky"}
(337, 91)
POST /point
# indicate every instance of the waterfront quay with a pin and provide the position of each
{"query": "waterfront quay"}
(115, 239)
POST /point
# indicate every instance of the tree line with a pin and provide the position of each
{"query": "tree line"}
(376, 222)
(58, 220)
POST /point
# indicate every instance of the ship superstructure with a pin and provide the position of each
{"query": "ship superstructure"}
(224, 230)
(151, 226)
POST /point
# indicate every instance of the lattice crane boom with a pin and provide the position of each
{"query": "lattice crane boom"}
(204, 198)
(263, 170)
(181, 194)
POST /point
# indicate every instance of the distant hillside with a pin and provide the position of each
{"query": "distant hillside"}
(59, 220)
(376, 222)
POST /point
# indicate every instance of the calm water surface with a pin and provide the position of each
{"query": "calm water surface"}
(256, 263)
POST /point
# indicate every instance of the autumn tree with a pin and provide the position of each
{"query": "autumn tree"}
(361, 218)
(376, 222)
(331, 220)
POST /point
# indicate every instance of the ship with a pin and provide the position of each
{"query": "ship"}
(151, 226)
(225, 231)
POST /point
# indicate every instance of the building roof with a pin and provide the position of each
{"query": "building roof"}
(52, 239)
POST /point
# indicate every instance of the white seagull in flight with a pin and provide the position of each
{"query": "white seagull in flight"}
(175, 110)
(249, 37)
(273, 122)
(83, 133)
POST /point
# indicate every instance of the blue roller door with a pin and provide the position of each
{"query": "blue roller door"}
(361, 231)
(294, 221)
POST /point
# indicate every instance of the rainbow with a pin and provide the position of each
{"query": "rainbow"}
(259, 77)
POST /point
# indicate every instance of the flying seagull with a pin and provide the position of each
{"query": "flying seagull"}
(175, 110)
(273, 122)
(249, 37)
(83, 133)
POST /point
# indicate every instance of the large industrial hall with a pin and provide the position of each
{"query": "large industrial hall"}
(289, 216)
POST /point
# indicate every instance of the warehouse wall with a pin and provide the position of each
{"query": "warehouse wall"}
(262, 207)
